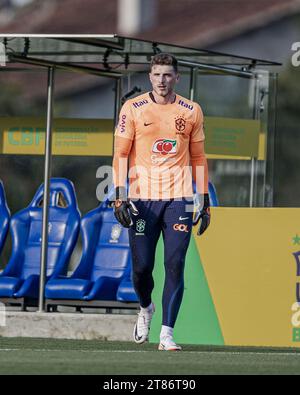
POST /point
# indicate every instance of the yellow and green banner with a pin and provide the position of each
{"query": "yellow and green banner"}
(232, 137)
(226, 138)
(242, 281)
(78, 137)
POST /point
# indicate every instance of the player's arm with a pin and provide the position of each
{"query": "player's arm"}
(199, 166)
(124, 136)
(122, 148)
(200, 172)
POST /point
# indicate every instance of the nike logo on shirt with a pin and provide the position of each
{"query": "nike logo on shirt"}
(148, 124)
(183, 219)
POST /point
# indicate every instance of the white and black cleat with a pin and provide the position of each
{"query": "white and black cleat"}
(168, 344)
(142, 327)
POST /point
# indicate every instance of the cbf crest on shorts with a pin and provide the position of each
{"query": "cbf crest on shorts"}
(140, 226)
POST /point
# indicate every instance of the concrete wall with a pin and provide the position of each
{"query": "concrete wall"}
(68, 326)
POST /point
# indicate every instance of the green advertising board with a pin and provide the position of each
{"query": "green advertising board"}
(233, 137)
(224, 136)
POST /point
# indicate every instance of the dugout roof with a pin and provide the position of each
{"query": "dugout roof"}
(115, 54)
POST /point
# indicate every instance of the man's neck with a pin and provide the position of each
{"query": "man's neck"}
(170, 98)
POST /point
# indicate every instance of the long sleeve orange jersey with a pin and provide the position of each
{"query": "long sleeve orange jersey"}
(163, 144)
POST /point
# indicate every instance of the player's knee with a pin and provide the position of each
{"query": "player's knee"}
(142, 271)
(175, 272)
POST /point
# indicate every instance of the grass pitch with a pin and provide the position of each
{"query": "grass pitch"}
(52, 356)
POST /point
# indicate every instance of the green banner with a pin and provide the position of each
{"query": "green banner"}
(82, 137)
(197, 321)
(230, 136)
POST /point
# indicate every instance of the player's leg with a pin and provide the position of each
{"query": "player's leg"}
(177, 229)
(143, 238)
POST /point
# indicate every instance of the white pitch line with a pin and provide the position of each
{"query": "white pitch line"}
(75, 350)
(25, 35)
(226, 353)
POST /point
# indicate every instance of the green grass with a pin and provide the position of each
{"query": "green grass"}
(52, 356)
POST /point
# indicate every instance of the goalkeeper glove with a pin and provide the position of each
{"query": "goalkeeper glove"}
(202, 213)
(123, 207)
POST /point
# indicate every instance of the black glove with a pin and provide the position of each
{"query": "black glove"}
(123, 207)
(202, 213)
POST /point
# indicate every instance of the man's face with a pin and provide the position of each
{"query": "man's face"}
(163, 79)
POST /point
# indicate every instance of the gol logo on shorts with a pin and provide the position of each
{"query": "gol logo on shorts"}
(181, 228)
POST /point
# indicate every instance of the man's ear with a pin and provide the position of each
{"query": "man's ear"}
(177, 77)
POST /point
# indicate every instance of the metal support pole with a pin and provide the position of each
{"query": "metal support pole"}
(47, 175)
(129, 82)
(253, 178)
(118, 95)
(251, 204)
(193, 82)
(64, 66)
(221, 69)
(268, 193)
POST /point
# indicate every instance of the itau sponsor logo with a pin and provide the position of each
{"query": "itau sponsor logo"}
(140, 103)
(165, 147)
(185, 105)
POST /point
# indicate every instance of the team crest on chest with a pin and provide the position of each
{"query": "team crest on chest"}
(180, 123)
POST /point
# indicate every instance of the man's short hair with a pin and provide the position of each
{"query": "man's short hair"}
(164, 59)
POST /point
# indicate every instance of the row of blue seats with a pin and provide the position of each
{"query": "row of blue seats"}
(104, 271)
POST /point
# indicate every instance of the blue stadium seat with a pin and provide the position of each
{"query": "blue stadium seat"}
(214, 202)
(105, 259)
(4, 217)
(126, 292)
(20, 278)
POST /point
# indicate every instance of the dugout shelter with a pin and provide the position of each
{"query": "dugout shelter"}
(237, 94)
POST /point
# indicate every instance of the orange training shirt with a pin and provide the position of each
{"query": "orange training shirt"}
(156, 138)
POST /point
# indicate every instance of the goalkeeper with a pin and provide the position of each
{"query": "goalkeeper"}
(161, 134)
